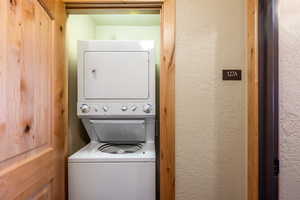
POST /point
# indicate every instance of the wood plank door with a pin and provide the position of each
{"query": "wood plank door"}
(32, 101)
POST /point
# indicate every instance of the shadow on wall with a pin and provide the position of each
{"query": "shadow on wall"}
(78, 136)
(79, 27)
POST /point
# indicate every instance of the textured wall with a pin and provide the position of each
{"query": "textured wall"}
(289, 68)
(210, 113)
(79, 27)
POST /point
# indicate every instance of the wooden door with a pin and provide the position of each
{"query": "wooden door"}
(32, 101)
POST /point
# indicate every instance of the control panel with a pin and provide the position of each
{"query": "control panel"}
(116, 109)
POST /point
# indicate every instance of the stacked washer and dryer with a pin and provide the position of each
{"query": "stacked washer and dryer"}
(116, 103)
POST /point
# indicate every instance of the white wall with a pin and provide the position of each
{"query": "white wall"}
(210, 113)
(289, 98)
(121, 32)
(79, 27)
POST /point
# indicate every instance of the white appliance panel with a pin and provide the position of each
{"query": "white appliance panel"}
(116, 79)
(116, 75)
(119, 131)
(109, 130)
(112, 181)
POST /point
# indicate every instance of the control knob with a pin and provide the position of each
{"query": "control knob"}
(85, 108)
(124, 108)
(105, 108)
(133, 108)
(147, 108)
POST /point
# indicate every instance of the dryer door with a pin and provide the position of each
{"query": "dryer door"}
(116, 75)
(119, 131)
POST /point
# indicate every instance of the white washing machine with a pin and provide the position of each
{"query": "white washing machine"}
(97, 175)
(116, 103)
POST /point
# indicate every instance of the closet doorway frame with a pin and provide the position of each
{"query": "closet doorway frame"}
(167, 10)
(167, 78)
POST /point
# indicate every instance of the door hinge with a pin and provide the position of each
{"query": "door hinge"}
(276, 167)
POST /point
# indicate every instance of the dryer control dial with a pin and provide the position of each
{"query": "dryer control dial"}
(133, 108)
(85, 108)
(105, 108)
(124, 108)
(147, 108)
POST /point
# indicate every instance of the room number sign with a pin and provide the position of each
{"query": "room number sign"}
(232, 75)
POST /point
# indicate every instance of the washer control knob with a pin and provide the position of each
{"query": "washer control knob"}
(124, 108)
(147, 108)
(85, 108)
(133, 108)
(105, 108)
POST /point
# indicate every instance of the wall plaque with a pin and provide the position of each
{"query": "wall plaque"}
(232, 74)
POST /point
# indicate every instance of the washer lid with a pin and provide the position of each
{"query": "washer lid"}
(92, 153)
(116, 131)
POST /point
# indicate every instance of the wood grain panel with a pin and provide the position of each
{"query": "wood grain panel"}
(59, 101)
(43, 194)
(111, 4)
(49, 6)
(167, 102)
(25, 73)
(3, 71)
(253, 108)
(85, 6)
(20, 180)
(32, 145)
(114, 1)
